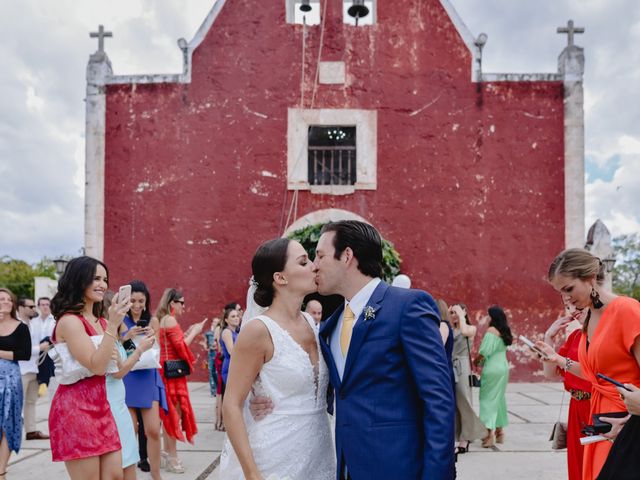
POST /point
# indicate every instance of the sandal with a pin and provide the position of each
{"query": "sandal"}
(460, 449)
(499, 435)
(174, 465)
(488, 441)
(164, 459)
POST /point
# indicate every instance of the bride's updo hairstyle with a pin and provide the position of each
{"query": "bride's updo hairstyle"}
(270, 258)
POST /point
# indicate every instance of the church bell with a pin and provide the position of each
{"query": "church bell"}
(358, 9)
(305, 7)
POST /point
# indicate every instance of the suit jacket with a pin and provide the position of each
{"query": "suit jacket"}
(395, 405)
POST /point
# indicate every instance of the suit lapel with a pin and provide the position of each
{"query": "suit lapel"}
(326, 331)
(362, 327)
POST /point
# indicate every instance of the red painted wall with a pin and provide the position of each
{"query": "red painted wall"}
(470, 188)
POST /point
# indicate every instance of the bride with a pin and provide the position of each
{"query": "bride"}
(277, 355)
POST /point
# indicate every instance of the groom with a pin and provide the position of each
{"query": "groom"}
(395, 406)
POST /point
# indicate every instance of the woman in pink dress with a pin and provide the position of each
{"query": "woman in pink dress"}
(83, 431)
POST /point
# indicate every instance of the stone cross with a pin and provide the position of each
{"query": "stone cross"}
(570, 30)
(100, 35)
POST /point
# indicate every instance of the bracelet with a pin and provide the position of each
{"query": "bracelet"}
(567, 364)
(111, 335)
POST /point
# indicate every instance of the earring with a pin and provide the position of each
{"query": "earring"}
(595, 299)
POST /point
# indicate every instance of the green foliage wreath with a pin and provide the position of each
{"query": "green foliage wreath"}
(309, 236)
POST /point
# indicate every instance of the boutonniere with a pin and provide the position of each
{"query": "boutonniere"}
(369, 313)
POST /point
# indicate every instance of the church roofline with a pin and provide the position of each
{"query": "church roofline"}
(462, 29)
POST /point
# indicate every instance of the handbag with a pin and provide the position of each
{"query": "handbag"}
(148, 359)
(559, 431)
(474, 379)
(68, 370)
(174, 368)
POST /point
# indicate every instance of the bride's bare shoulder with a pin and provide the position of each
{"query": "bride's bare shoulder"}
(254, 331)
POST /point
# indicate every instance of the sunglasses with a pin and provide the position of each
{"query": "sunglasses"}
(179, 301)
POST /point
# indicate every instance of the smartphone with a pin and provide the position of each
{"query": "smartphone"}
(142, 323)
(124, 292)
(532, 346)
(611, 380)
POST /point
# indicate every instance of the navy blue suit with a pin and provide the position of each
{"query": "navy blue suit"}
(395, 406)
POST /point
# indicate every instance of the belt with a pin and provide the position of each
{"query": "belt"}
(580, 395)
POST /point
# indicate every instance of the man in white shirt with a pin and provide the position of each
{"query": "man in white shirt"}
(29, 368)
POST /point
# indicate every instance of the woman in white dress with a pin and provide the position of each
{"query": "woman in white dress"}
(277, 355)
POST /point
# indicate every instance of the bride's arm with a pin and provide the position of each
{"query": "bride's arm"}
(252, 350)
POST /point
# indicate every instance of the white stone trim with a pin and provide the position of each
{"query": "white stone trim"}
(332, 73)
(290, 12)
(322, 216)
(522, 77)
(187, 55)
(365, 122)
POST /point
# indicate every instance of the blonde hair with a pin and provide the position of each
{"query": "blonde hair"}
(577, 263)
(443, 308)
(164, 309)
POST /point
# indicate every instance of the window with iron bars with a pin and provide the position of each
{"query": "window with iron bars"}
(332, 155)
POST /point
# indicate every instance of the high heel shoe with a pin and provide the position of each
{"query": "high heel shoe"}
(174, 465)
(489, 440)
(499, 435)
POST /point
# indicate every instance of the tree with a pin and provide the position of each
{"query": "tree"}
(18, 276)
(626, 273)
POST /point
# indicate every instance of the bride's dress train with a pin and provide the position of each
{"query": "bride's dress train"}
(294, 441)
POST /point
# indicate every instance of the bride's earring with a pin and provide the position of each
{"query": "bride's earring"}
(595, 299)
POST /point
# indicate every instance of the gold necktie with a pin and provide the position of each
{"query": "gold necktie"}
(347, 327)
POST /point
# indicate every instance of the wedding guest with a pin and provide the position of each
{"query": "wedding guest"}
(610, 345)
(45, 323)
(179, 423)
(116, 395)
(145, 391)
(580, 390)
(228, 336)
(29, 368)
(15, 345)
(314, 308)
(210, 339)
(445, 321)
(495, 376)
(468, 425)
(83, 431)
(217, 363)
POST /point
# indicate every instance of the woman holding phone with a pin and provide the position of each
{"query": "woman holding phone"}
(468, 425)
(579, 389)
(179, 422)
(144, 388)
(82, 428)
(610, 344)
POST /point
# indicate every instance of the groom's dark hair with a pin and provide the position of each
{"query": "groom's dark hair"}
(363, 240)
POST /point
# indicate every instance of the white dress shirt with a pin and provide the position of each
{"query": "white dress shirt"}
(39, 328)
(357, 304)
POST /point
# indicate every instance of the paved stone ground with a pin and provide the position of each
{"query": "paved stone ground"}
(526, 453)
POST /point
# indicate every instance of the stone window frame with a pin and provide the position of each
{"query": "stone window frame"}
(299, 121)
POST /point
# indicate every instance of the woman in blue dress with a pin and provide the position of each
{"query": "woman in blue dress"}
(144, 388)
(230, 324)
(15, 344)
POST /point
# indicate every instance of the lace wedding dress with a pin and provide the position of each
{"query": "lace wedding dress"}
(294, 441)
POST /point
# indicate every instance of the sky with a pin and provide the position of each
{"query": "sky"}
(45, 47)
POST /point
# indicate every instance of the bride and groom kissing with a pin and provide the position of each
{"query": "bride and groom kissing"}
(380, 356)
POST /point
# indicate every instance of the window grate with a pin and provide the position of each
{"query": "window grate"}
(332, 155)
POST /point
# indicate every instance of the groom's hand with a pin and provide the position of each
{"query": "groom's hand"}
(260, 407)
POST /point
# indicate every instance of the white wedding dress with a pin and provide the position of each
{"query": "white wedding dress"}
(294, 442)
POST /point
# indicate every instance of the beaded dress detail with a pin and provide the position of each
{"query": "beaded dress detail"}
(294, 441)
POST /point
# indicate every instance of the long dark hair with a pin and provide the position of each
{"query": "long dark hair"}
(77, 277)
(138, 286)
(499, 322)
(270, 257)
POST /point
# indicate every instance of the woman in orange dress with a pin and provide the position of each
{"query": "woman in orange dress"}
(610, 344)
(180, 421)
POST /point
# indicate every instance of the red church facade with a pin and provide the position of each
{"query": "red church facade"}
(466, 171)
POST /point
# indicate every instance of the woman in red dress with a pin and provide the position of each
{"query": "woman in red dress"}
(179, 423)
(578, 388)
(82, 429)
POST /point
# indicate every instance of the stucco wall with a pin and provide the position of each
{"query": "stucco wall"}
(470, 175)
